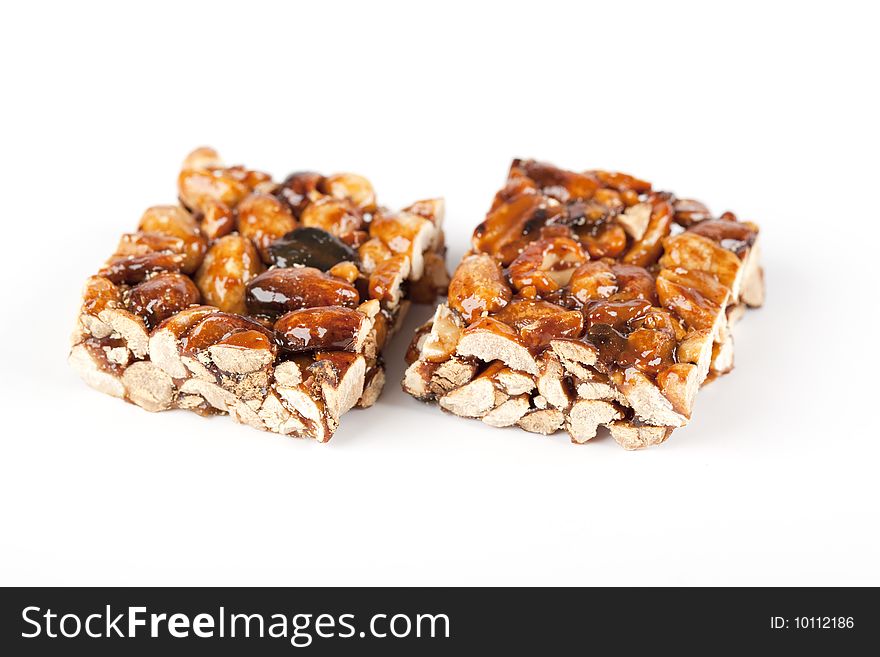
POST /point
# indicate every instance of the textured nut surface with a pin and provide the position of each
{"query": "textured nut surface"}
(478, 286)
(161, 297)
(174, 221)
(330, 327)
(230, 263)
(262, 218)
(280, 290)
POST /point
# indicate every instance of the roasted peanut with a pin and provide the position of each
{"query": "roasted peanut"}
(217, 220)
(608, 242)
(387, 278)
(478, 286)
(262, 218)
(511, 226)
(692, 251)
(219, 326)
(312, 329)
(337, 216)
(352, 187)
(547, 264)
(622, 182)
(634, 282)
(136, 268)
(144, 243)
(229, 264)
(99, 293)
(372, 252)
(645, 251)
(299, 189)
(687, 212)
(347, 271)
(402, 232)
(203, 157)
(280, 290)
(562, 184)
(593, 280)
(161, 296)
(196, 186)
(734, 236)
(174, 221)
(616, 313)
(695, 296)
(537, 322)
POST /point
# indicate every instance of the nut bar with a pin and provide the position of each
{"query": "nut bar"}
(587, 300)
(269, 301)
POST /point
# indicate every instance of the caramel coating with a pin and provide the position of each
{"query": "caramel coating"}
(537, 322)
(312, 329)
(162, 296)
(280, 290)
(174, 221)
(229, 264)
(337, 216)
(133, 269)
(478, 286)
(547, 264)
(262, 218)
(351, 187)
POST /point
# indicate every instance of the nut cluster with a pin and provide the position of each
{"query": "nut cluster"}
(270, 301)
(588, 299)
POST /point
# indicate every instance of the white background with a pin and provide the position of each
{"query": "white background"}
(767, 109)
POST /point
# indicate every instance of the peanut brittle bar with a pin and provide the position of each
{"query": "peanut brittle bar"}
(588, 299)
(269, 301)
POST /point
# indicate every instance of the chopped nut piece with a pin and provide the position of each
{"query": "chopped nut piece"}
(638, 436)
(546, 421)
(508, 412)
(586, 416)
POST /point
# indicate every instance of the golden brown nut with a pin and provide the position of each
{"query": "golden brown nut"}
(280, 290)
(299, 189)
(478, 286)
(229, 265)
(645, 251)
(352, 187)
(692, 251)
(735, 236)
(262, 218)
(695, 296)
(608, 242)
(622, 182)
(98, 294)
(593, 280)
(539, 322)
(197, 186)
(372, 252)
(387, 279)
(218, 326)
(559, 183)
(217, 220)
(312, 329)
(634, 282)
(512, 225)
(143, 243)
(337, 216)
(688, 212)
(161, 296)
(136, 268)
(174, 221)
(547, 264)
